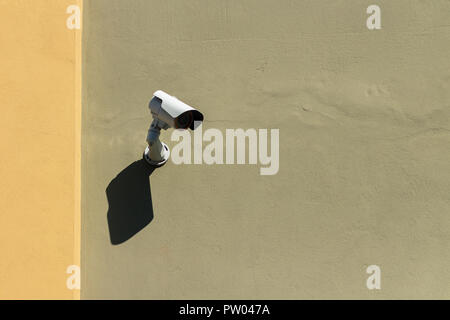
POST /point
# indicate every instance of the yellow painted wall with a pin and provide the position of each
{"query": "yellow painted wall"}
(39, 163)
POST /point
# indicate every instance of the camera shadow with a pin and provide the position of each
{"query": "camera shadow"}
(130, 202)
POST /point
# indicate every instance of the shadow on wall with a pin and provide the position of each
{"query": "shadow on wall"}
(130, 202)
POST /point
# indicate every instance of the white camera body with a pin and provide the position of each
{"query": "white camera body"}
(167, 112)
(172, 111)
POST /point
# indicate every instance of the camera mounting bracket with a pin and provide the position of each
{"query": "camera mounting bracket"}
(156, 153)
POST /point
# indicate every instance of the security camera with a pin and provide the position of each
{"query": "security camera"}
(167, 112)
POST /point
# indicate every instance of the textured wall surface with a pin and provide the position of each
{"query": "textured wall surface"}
(39, 130)
(364, 149)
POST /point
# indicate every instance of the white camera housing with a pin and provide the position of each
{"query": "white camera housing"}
(170, 110)
(167, 112)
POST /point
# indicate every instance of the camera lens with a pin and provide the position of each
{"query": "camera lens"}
(184, 121)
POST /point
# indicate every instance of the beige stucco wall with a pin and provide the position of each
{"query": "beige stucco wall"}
(40, 144)
(364, 148)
